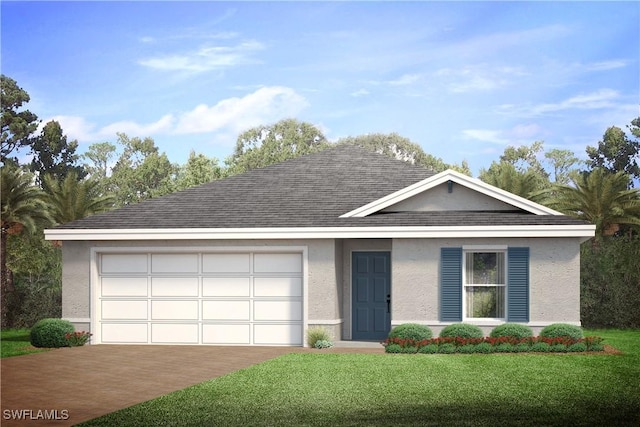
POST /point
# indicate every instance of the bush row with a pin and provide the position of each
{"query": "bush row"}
(505, 338)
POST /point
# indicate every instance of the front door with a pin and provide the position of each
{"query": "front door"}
(371, 308)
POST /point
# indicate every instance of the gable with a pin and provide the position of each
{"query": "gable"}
(446, 197)
(449, 179)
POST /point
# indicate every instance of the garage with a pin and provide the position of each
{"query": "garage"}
(223, 298)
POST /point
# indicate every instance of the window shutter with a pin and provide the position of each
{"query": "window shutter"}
(451, 284)
(518, 285)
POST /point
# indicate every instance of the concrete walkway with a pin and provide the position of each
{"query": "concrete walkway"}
(78, 384)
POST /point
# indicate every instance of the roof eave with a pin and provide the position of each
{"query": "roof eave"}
(584, 231)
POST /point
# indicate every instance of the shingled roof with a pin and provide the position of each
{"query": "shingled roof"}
(310, 191)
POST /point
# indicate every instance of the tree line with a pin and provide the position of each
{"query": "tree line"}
(58, 185)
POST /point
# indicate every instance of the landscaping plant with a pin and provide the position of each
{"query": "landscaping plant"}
(50, 333)
(461, 330)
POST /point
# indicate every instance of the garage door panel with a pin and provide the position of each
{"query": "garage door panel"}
(124, 310)
(172, 333)
(186, 297)
(226, 334)
(277, 334)
(226, 286)
(124, 333)
(174, 287)
(174, 310)
(123, 263)
(226, 310)
(277, 310)
(277, 287)
(277, 263)
(226, 263)
(123, 286)
(174, 263)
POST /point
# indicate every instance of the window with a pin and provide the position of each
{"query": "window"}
(484, 285)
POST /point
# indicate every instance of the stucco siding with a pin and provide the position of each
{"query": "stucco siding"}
(323, 293)
(554, 279)
(439, 199)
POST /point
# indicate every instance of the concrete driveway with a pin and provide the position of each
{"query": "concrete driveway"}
(71, 385)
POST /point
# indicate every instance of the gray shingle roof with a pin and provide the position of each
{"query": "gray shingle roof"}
(310, 191)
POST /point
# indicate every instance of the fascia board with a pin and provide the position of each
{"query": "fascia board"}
(583, 231)
(458, 178)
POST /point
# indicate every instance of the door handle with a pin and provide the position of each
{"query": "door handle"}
(388, 303)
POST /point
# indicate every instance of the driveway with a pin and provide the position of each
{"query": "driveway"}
(72, 385)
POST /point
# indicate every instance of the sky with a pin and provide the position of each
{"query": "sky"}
(463, 80)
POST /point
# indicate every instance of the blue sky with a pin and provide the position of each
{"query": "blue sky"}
(463, 80)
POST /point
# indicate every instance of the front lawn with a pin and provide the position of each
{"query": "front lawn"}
(15, 342)
(316, 389)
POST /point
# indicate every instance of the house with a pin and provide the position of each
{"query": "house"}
(345, 238)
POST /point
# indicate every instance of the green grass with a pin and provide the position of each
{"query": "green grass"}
(15, 342)
(364, 390)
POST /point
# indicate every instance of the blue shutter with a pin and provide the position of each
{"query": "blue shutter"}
(518, 285)
(451, 284)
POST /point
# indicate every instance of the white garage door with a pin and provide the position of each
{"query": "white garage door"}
(200, 298)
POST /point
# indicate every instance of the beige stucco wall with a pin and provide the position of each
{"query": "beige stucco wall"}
(439, 199)
(324, 295)
(554, 273)
(554, 279)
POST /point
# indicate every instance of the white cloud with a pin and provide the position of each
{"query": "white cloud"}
(132, 128)
(207, 58)
(405, 80)
(606, 65)
(600, 99)
(265, 105)
(485, 135)
(477, 78)
(360, 92)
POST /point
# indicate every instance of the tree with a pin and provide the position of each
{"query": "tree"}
(53, 155)
(401, 148)
(17, 126)
(561, 162)
(617, 152)
(264, 145)
(141, 172)
(71, 199)
(599, 197)
(525, 158)
(504, 175)
(199, 169)
(23, 206)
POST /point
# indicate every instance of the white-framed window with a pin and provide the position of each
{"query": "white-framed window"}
(484, 282)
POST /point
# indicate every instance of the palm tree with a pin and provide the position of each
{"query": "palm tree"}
(22, 207)
(71, 199)
(504, 175)
(599, 197)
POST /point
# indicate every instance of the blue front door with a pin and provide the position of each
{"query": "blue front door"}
(371, 282)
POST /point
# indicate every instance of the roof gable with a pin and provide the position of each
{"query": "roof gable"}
(402, 199)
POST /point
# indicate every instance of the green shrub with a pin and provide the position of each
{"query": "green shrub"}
(466, 349)
(522, 347)
(428, 349)
(409, 350)
(50, 333)
(541, 347)
(596, 347)
(461, 330)
(412, 331)
(317, 333)
(393, 348)
(323, 344)
(577, 347)
(558, 348)
(557, 330)
(515, 330)
(505, 347)
(447, 348)
(484, 348)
